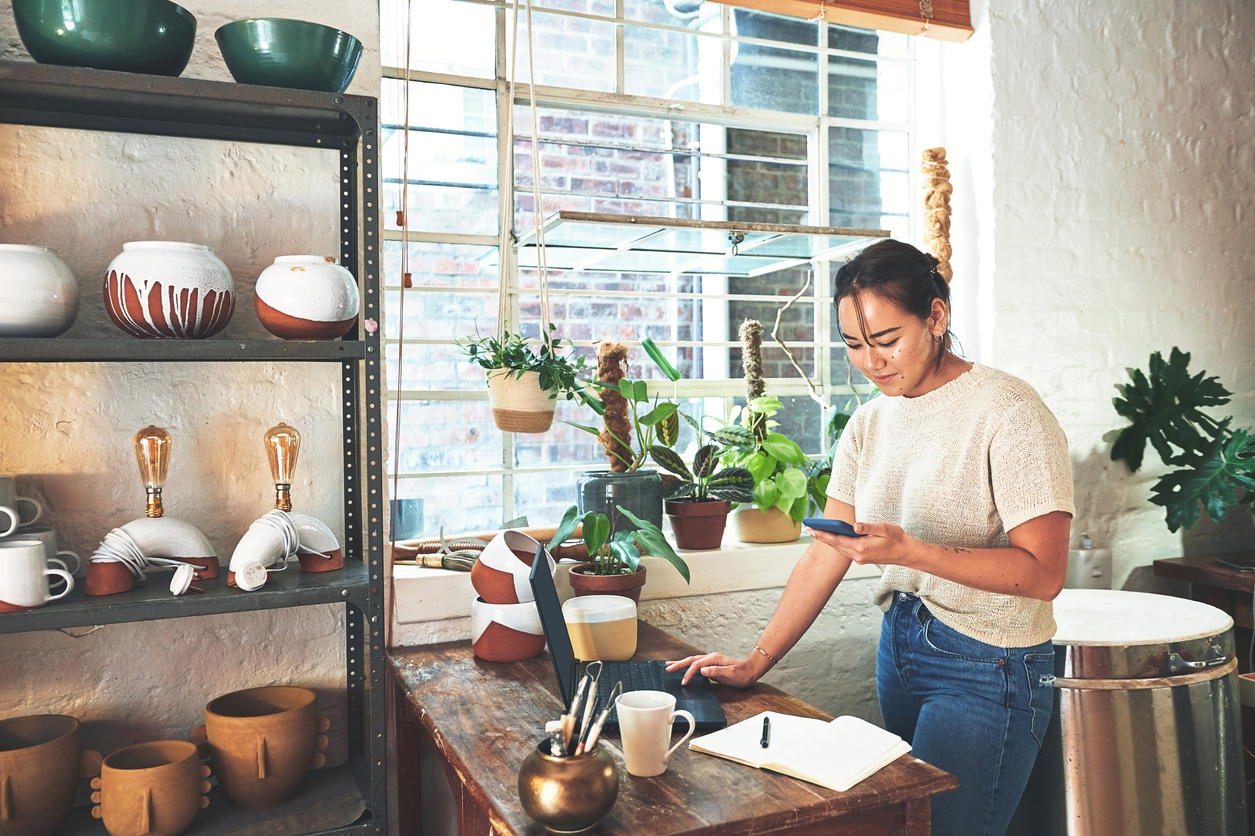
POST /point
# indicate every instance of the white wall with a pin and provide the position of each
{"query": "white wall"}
(67, 428)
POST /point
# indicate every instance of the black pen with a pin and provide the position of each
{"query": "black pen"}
(766, 732)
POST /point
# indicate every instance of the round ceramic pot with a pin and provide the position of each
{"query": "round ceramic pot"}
(518, 404)
(38, 293)
(506, 632)
(568, 795)
(500, 573)
(306, 297)
(751, 525)
(261, 743)
(39, 767)
(585, 583)
(697, 525)
(169, 290)
(151, 789)
(639, 492)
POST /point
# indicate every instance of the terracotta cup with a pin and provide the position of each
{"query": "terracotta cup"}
(262, 741)
(39, 771)
(150, 789)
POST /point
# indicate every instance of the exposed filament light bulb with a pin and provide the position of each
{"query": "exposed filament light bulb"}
(282, 445)
(152, 453)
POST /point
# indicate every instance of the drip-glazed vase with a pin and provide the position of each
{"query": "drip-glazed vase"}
(169, 290)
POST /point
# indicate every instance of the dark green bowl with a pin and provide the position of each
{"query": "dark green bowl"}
(289, 53)
(137, 36)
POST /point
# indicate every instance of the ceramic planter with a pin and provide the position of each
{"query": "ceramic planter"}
(306, 297)
(39, 770)
(751, 525)
(639, 491)
(262, 741)
(506, 632)
(139, 36)
(568, 795)
(38, 293)
(585, 583)
(518, 404)
(500, 572)
(698, 525)
(151, 789)
(169, 290)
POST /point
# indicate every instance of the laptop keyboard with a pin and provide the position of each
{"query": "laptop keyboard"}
(635, 674)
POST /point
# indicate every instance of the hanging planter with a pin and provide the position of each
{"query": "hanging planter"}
(523, 384)
(518, 403)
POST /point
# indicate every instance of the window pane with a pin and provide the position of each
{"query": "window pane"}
(446, 37)
(442, 106)
(867, 89)
(443, 209)
(766, 78)
(672, 65)
(443, 265)
(868, 41)
(428, 367)
(544, 497)
(769, 27)
(800, 419)
(691, 14)
(446, 435)
(604, 8)
(458, 504)
(867, 176)
(570, 52)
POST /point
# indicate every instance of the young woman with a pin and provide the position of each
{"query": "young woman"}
(960, 482)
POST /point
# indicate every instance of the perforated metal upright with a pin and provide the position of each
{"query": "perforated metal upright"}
(50, 96)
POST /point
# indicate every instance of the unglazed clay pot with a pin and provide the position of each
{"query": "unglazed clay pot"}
(151, 789)
(306, 297)
(506, 632)
(39, 770)
(262, 741)
(500, 572)
(169, 290)
(38, 293)
(584, 582)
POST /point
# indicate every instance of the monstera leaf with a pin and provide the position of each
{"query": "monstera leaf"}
(1212, 481)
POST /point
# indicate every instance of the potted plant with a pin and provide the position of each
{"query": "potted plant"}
(523, 384)
(631, 425)
(1212, 460)
(614, 565)
(698, 502)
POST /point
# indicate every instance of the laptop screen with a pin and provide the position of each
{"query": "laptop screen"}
(554, 624)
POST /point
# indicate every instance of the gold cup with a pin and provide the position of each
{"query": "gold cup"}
(568, 795)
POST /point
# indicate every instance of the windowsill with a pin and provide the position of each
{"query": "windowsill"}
(422, 598)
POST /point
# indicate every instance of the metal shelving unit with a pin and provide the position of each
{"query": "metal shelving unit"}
(69, 97)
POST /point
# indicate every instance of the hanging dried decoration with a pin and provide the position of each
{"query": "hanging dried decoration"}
(751, 333)
(937, 191)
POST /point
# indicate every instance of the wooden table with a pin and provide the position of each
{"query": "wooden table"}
(482, 718)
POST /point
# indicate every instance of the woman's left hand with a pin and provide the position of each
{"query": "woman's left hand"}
(884, 543)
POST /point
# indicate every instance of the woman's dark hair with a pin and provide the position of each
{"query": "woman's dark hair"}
(898, 273)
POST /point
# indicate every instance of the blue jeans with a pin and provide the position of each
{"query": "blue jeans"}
(977, 711)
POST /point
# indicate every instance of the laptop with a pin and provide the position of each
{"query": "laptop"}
(636, 675)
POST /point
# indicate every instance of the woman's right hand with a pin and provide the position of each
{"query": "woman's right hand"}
(740, 673)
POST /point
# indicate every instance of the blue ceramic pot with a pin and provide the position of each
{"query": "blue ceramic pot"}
(289, 53)
(137, 36)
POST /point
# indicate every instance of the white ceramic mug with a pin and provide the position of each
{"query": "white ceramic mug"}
(24, 575)
(645, 719)
(57, 557)
(9, 501)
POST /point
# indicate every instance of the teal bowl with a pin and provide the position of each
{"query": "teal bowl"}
(289, 53)
(135, 36)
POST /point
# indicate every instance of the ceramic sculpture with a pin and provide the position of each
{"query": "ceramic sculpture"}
(38, 293)
(306, 297)
(169, 290)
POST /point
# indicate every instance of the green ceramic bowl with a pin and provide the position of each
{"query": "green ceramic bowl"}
(137, 36)
(289, 53)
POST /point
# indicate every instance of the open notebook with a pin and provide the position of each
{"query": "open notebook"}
(836, 755)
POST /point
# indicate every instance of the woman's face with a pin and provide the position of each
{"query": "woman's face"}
(900, 353)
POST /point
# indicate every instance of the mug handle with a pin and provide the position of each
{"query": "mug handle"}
(78, 561)
(692, 727)
(39, 510)
(69, 583)
(14, 519)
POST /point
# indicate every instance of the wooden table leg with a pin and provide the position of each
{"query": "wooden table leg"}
(919, 817)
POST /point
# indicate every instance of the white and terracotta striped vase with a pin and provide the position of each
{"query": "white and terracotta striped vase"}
(169, 290)
(306, 297)
(506, 632)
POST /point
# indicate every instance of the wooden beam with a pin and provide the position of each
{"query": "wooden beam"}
(951, 20)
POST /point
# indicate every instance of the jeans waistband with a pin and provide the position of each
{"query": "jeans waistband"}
(913, 604)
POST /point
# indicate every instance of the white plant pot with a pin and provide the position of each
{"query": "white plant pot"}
(518, 403)
(306, 297)
(38, 293)
(169, 290)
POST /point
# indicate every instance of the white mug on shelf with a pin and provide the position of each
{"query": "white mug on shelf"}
(10, 516)
(58, 557)
(645, 719)
(24, 576)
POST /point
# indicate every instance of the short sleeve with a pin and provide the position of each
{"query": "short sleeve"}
(845, 463)
(1030, 470)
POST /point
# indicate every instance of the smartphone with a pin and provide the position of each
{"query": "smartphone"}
(1238, 564)
(831, 526)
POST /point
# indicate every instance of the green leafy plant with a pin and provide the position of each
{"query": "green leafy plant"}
(784, 477)
(1213, 461)
(558, 373)
(618, 553)
(703, 483)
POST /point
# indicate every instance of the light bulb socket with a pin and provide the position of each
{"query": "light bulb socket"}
(154, 508)
(283, 496)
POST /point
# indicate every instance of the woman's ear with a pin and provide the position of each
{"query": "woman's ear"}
(938, 318)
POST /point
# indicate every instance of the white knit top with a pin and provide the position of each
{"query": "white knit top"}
(959, 466)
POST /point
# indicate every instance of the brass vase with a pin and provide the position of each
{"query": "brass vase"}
(568, 795)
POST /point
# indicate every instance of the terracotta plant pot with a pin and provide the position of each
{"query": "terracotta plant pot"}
(751, 525)
(39, 770)
(151, 789)
(499, 574)
(518, 404)
(262, 741)
(629, 586)
(306, 297)
(169, 290)
(506, 632)
(698, 525)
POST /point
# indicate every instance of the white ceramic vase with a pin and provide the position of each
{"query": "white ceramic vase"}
(169, 290)
(38, 293)
(306, 297)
